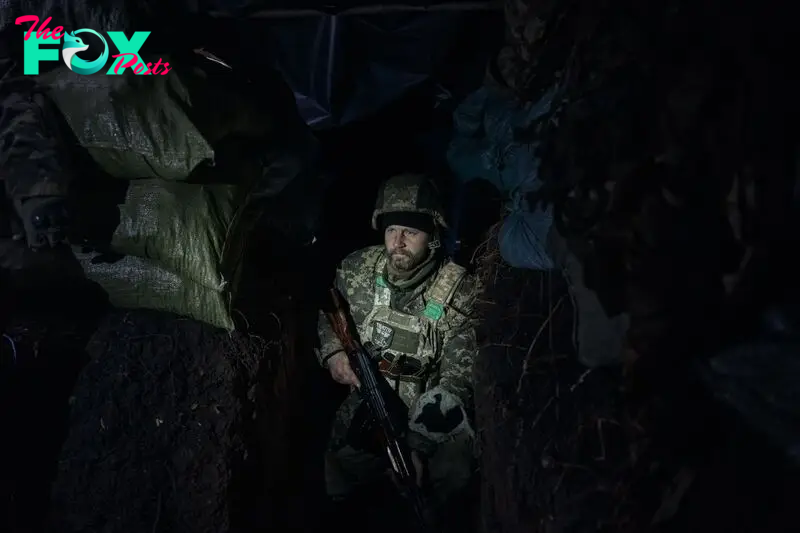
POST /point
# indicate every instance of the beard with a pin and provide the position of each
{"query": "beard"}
(402, 261)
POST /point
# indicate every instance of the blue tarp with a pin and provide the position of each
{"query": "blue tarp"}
(759, 378)
(759, 381)
(485, 146)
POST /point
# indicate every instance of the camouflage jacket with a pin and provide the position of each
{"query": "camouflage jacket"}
(31, 163)
(448, 385)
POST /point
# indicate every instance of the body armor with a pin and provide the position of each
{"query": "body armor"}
(410, 345)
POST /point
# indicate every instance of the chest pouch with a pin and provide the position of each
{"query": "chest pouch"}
(399, 348)
(409, 345)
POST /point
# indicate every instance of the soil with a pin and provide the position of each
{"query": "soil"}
(41, 354)
(159, 430)
(568, 449)
(554, 444)
(167, 424)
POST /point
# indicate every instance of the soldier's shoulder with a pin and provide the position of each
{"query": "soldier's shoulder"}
(357, 273)
(467, 290)
(363, 260)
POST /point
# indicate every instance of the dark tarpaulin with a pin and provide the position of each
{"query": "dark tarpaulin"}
(346, 64)
(249, 8)
(344, 68)
(344, 61)
(74, 14)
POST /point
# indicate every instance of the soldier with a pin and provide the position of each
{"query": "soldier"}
(34, 179)
(38, 296)
(418, 309)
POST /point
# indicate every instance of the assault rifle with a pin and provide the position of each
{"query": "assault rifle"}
(386, 411)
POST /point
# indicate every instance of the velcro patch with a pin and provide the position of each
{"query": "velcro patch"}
(382, 335)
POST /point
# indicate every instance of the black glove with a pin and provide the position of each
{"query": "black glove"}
(43, 221)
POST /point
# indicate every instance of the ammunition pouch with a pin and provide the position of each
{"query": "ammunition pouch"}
(402, 367)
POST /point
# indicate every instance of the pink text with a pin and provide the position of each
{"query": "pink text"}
(133, 59)
(43, 32)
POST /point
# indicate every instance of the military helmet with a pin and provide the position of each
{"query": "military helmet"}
(409, 193)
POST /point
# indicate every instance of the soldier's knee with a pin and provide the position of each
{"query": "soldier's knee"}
(347, 469)
(452, 467)
(335, 480)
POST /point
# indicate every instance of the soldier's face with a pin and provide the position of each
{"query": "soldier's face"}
(406, 247)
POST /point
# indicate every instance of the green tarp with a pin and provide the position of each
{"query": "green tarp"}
(135, 283)
(190, 229)
(132, 126)
(182, 243)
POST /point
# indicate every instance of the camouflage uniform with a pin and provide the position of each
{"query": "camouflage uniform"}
(427, 340)
(32, 168)
(31, 163)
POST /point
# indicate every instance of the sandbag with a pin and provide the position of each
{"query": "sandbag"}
(190, 229)
(132, 126)
(523, 239)
(181, 246)
(487, 146)
(136, 283)
(524, 235)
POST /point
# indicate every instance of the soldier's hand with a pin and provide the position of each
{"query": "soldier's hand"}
(43, 221)
(341, 371)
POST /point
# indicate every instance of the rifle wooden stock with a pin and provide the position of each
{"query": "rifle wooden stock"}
(340, 323)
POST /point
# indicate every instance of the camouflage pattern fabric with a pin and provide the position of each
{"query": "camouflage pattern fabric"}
(440, 415)
(412, 193)
(30, 162)
(449, 469)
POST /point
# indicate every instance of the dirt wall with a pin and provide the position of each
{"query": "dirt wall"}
(162, 429)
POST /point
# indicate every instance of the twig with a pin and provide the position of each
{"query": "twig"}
(171, 478)
(580, 380)
(13, 346)
(482, 248)
(503, 345)
(158, 514)
(278, 320)
(140, 363)
(541, 412)
(526, 363)
(560, 480)
(151, 336)
(244, 317)
(602, 456)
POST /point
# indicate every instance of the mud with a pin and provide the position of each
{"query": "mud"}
(166, 424)
(569, 449)
(162, 428)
